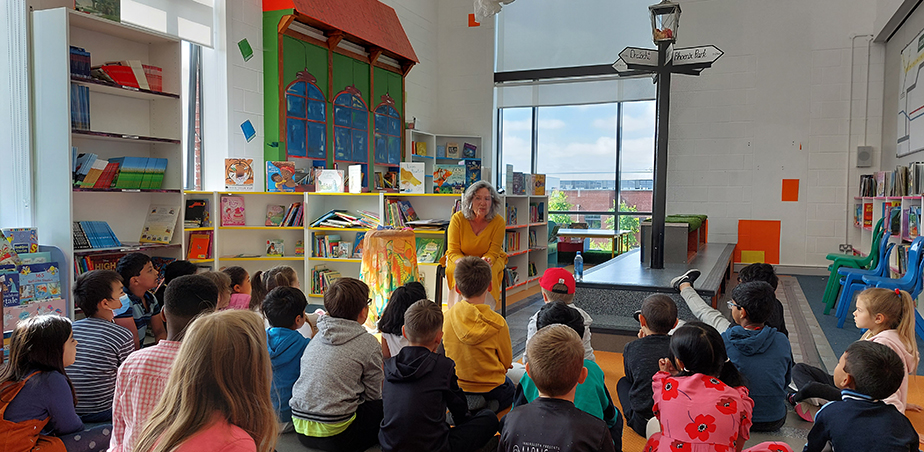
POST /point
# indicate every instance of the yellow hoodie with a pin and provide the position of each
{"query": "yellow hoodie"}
(478, 340)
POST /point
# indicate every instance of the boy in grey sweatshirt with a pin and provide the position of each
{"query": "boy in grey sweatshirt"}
(337, 399)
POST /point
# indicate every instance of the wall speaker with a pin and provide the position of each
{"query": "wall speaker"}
(864, 156)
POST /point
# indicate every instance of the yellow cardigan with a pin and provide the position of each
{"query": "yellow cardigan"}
(489, 243)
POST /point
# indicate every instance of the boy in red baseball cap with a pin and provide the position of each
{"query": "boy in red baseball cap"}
(557, 284)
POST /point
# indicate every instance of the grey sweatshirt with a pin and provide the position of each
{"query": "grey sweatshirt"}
(340, 369)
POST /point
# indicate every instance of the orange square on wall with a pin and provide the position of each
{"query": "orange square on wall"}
(471, 21)
(759, 236)
(790, 190)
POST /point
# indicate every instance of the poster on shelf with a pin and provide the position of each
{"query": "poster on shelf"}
(238, 174)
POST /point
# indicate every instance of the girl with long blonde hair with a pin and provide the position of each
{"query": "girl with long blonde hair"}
(218, 394)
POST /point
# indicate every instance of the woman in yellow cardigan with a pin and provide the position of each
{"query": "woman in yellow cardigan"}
(478, 230)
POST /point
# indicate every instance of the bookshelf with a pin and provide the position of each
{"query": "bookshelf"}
(123, 122)
(527, 241)
(433, 143)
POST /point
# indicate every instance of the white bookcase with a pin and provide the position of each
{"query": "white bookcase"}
(435, 140)
(123, 122)
(521, 253)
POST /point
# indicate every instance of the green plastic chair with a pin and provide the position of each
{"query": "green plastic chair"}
(833, 288)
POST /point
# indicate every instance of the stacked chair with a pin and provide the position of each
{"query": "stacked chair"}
(838, 261)
(852, 280)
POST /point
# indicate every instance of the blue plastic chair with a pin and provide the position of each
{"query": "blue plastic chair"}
(911, 282)
(853, 280)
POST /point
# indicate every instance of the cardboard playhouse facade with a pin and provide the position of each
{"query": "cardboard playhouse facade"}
(334, 84)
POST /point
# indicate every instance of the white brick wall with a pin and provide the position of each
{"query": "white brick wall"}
(774, 107)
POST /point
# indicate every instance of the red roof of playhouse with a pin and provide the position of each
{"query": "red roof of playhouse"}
(367, 20)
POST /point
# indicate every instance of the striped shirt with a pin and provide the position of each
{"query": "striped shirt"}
(101, 347)
(142, 379)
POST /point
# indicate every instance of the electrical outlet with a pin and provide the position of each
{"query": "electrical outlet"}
(845, 247)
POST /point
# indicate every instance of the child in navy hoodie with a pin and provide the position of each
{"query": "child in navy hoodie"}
(284, 308)
(419, 385)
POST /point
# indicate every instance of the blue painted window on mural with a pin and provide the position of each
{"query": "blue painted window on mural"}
(387, 135)
(306, 121)
(351, 128)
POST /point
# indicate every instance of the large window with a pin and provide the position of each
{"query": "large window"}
(598, 160)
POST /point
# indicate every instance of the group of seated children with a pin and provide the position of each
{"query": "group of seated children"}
(220, 377)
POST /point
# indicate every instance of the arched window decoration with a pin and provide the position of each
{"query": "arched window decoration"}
(306, 118)
(351, 127)
(387, 132)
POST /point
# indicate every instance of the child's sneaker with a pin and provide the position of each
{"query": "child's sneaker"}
(687, 277)
(806, 411)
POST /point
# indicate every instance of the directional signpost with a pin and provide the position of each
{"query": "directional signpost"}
(662, 62)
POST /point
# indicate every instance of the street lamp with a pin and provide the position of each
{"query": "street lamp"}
(665, 19)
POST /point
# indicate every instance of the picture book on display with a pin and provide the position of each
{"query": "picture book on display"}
(275, 248)
(197, 213)
(538, 185)
(24, 240)
(199, 245)
(285, 177)
(39, 282)
(239, 174)
(452, 151)
(159, 225)
(232, 211)
(448, 178)
(330, 181)
(429, 249)
(469, 150)
(355, 179)
(472, 172)
(274, 215)
(412, 177)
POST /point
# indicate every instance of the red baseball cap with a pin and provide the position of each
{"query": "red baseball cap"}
(557, 275)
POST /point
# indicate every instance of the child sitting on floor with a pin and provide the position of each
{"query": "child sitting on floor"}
(284, 309)
(337, 399)
(392, 319)
(240, 287)
(764, 272)
(223, 282)
(591, 395)
(420, 385)
(557, 284)
(640, 359)
(552, 421)
(704, 404)
(478, 339)
(867, 372)
(140, 308)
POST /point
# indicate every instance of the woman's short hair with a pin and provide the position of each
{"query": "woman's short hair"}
(469, 196)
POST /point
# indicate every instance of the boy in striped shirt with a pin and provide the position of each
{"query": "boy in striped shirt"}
(102, 345)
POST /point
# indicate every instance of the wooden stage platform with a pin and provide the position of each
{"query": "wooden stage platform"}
(613, 291)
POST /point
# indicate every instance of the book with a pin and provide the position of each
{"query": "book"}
(39, 282)
(472, 172)
(420, 148)
(8, 255)
(24, 240)
(9, 286)
(429, 250)
(274, 215)
(344, 249)
(452, 151)
(199, 243)
(232, 211)
(275, 247)
(508, 179)
(519, 187)
(196, 214)
(355, 178)
(285, 177)
(469, 150)
(159, 225)
(35, 258)
(299, 248)
(412, 177)
(379, 180)
(440, 151)
(538, 185)
(239, 174)
(330, 181)
(448, 178)
(358, 247)
(106, 10)
(407, 210)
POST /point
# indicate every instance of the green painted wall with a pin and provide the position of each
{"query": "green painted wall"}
(348, 71)
(387, 82)
(273, 150)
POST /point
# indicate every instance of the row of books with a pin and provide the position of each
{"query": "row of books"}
(80, 62)
(531, 270)
(537, 212)
(94, 234)
(524, 183)
(511, 215)
(531, 238)
(332, 246)
(903, 181)
(398, 212)
(80, 107)
(90, 171)
(277, 215)
(513, 276)
(342, 219)
(512, 241)
(450, 150)
(83, 264)
(321, 278)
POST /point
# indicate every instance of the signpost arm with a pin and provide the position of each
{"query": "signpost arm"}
(660, 161)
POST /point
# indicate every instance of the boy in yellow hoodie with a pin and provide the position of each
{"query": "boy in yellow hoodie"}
(477, 338)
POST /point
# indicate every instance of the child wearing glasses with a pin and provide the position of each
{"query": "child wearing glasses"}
(337, 400)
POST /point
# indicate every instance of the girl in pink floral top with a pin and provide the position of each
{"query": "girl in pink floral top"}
(704, 406)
